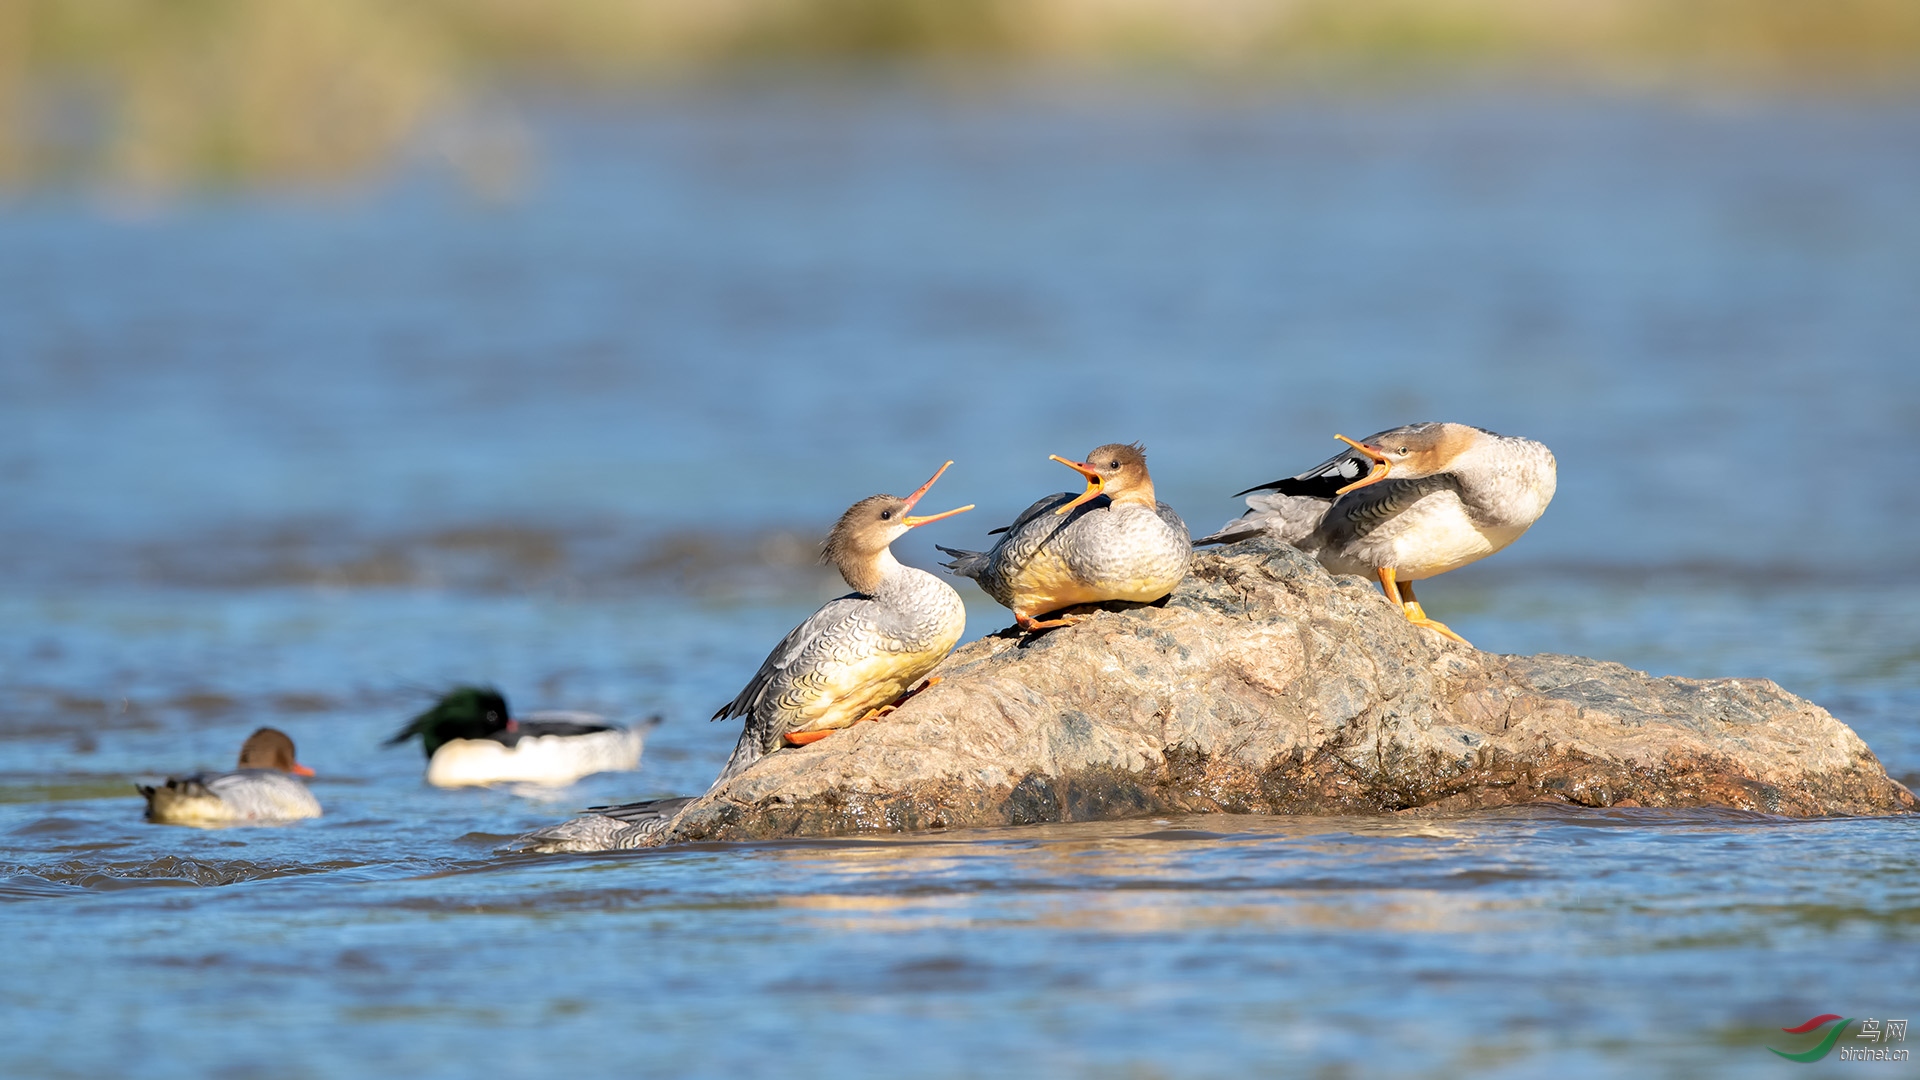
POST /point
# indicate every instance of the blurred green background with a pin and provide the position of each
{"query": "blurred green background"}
(156, 95)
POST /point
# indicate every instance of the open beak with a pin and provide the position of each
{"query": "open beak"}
(1095, 485)
(912, 522)
(300, 770)
(1381, 467)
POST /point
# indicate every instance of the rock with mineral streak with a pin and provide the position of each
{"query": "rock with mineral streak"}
(1265, 686)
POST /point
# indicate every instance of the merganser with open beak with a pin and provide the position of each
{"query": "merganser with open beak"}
(1113, 541)
(1406, 504)
(470, 738)
(857, 656)
(261, 790)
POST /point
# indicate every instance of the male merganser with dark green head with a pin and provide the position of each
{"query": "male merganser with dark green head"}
(1405, 504)
(261, 790)
(1113, 541)
(470, 738)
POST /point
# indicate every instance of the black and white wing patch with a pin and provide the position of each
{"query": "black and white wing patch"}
(1324, 480)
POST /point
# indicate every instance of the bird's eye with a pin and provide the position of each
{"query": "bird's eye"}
(1113, 464)
(886, 515)
(491, 715)
(1402, 450)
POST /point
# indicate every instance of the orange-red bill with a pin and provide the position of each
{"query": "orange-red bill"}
(913, 522)
(1381, 466)
(1373, 452)
(1094, 483)
(922, 489)
(301, 770)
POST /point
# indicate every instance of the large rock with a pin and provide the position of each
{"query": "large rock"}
(1263, 685)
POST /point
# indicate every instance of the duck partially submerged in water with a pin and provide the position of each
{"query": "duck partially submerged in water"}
(1406, 504)
(262, 789)
(856, 656)
(1113, 541)
(470, 738)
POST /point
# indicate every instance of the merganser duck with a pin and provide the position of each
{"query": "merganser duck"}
(1457, 494)
(470, 738)
(852, 660)
(858, 655)
(1113, 541)
(261, 790)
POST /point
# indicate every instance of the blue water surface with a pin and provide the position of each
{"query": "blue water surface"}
(305, 459)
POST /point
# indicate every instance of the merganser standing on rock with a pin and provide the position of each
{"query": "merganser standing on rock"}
(261, 790)
(1405, 504)
(852, 660)
(1113, 541)
(856, 656)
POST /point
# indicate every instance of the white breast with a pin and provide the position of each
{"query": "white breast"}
(1436, 535)
(263, 795)
(545, 759)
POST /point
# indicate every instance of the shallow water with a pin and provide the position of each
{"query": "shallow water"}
(303, 460)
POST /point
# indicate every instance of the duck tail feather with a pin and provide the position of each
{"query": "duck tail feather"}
(965, 563)
(1233, 532)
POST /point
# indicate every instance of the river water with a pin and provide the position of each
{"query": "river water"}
(305, 458)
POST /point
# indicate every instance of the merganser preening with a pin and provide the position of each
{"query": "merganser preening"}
(1113, 541)
(471, 738)
(859, 654)
(261, 789)
(1457, 495)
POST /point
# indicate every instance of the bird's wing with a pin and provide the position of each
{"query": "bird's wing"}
(830, 615)
(651, 812)
(1051, 502)
(1323, 480)
(1358, 513)
(536, 725)
(565, 716)
(1287, 518)
(1168, 515)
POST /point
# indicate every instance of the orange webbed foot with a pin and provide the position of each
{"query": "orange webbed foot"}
(1028, 622)
(802, 738)
(875, 714)
(1418, 617)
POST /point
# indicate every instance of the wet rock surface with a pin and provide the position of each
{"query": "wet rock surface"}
(1264, 685)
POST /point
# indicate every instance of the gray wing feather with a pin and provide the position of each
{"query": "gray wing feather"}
(758, 735)
(830, 615)
(651, 813)
(978, 564)
(1289, 518)
(1168, 515)
(1050, 502)
(1358, 513)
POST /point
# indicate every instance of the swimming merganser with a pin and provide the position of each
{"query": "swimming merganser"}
(261, 790)
(1113, 541)
(1456, 495)
(471, 738)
